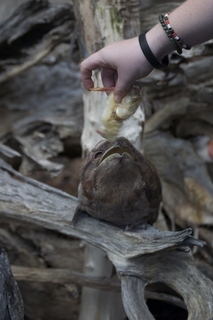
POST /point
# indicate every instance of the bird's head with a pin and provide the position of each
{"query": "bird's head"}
(118, 184)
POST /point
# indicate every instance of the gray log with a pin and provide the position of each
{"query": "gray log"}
(11, 304)
(175, 268)
(148, 254)
(66, 276)
(44, 104)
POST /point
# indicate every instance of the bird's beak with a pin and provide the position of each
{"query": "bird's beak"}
(116, 152)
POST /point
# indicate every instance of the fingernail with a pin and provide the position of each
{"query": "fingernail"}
(118, 99)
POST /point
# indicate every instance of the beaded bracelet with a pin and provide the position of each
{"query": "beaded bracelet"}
(169, 34)
(175, 36)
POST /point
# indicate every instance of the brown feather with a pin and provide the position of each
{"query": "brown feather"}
(117, 184)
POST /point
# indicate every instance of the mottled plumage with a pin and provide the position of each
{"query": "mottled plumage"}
(117, 184)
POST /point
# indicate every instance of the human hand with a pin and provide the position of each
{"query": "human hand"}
(121, 64)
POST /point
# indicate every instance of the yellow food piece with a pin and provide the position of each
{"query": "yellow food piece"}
(115, 113)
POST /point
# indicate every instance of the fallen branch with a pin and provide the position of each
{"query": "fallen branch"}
(65, 276)
(33, 60)
(141, 256)
(26, 199)
(11, 304)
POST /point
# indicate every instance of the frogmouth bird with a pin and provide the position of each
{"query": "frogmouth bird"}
(118, 185)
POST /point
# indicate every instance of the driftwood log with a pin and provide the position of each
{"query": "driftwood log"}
(110, 22)
(11, 304)
(22, 30)
(141, 256)
(41, 115)
(66, 277)
(37, 119)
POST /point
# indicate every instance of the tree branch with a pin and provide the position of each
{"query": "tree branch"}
(145, 253)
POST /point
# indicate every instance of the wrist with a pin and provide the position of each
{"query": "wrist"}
(149, 54)
(159, 42)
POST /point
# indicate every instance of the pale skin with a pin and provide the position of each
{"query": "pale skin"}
(123, 62)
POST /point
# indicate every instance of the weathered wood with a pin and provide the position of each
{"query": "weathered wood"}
(26, 199)
(134, 298)
(11, 304)
(33, 246)
(175, 268)
(100, 23)
(66, 276)
(146, 253)
(29, 100)
(28, 24)
(31, 122)
(113, 23)
(186, 181)
(97, 303)
(52, 41)
(181, 108)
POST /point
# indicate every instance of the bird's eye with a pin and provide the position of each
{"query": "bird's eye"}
(98, 155)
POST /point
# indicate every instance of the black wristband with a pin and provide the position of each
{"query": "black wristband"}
(149, 55)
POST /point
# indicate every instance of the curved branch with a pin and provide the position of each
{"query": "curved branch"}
(133, 298)
(28, 200)
(144, 255)
(175, 268)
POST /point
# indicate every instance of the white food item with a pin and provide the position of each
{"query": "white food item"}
(115, 113)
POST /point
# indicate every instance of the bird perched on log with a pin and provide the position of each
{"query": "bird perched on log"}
(118, 185)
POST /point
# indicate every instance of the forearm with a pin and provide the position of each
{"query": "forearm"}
(124, 62)
(192, 22)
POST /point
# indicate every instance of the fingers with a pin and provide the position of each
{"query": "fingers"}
(86, 76)
(109, 77)
(87, 80)
(108, 74)
(120, 65)
(122, 87)
(86, 67)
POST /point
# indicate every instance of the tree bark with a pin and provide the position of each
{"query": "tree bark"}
(140, 256)
(41, 116)
(11, 304)
(110, 23)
